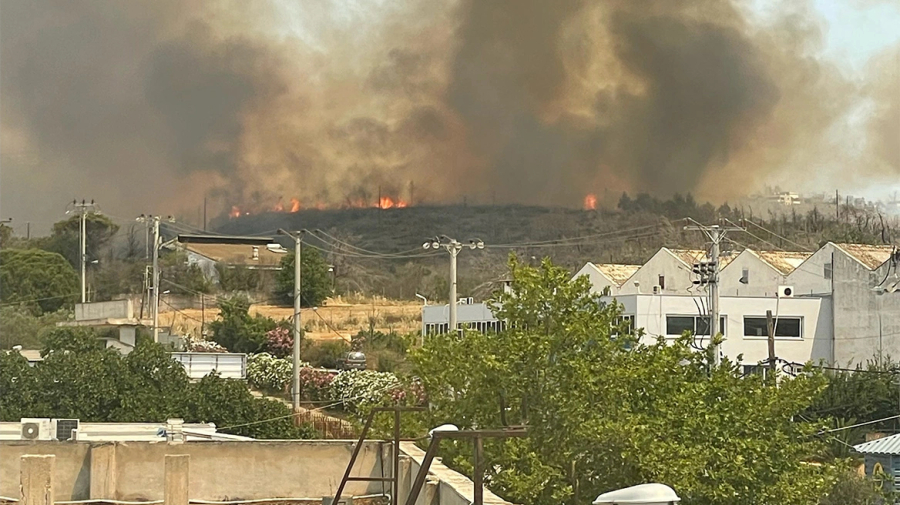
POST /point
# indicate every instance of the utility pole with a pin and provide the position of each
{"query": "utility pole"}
(153, 223)
(295, 382)
(453, 247)
(710, 277)
(82, 209)
(770, 331)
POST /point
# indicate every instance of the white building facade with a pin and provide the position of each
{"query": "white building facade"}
(866, 320)
(606, 276)
(758, 273)
(802, 332)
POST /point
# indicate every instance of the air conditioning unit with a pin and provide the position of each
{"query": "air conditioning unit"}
(785, 291)
(36, 429)
(657, 289)
(63, 428)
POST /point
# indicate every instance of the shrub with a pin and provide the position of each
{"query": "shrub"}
(359, 390)
(268, 373)
(326, 354)
(280, 342)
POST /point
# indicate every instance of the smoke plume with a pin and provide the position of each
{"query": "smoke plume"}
(152, 106)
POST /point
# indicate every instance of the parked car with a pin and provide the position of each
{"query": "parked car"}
(352, 361)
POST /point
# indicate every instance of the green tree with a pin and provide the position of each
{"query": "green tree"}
(65, 237)
(315, 283)
(6, 233)
(236, 330)
(20, 326)
(39, 279)
(605, 412)
(80, 378)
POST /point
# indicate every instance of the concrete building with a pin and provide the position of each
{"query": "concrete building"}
(116, 317)
(477, 316)
(866, 321)
(603, 276)
(668, 272)
(208, 251)
(274, 471)
(803, 325)
(758, 273)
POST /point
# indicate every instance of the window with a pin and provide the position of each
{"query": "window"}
(626, 320)
(745, 276)
(662, 282)
(828, 271)
(698, 325)
(786, 327)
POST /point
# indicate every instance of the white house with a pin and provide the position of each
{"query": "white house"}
(802, 331)
(606, 275)
(866, 318)
(758, 273)
(669, 271)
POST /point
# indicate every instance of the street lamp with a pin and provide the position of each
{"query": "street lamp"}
(642, 494)
(453, 247)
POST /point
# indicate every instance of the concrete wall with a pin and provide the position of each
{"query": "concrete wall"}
(677, 274)
(116, 309)
(218, 470)
(762, 278)
(816, 343)
(598, 281)
(866, 323)
(231, 471)
(443, 487)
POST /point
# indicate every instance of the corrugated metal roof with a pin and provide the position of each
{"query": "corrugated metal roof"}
(886, 445)
(783, 261)
(872, 256)
(618, 273)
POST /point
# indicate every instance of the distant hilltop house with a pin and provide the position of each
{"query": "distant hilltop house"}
(211, 252)
(786, 198)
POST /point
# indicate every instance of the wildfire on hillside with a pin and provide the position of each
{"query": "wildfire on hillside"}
(590, 202)
(295, 205)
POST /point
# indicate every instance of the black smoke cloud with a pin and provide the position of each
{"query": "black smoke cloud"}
(150, 106)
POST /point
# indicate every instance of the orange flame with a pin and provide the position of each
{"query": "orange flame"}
(385, 202)
(235, 211)
(590, 202)
(279, 207)
(401, 204)
(295, 205)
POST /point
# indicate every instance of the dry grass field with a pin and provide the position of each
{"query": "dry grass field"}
(337, 318)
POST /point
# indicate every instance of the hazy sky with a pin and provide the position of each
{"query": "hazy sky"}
(359, 101)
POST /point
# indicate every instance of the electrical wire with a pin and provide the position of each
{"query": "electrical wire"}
(804, 248)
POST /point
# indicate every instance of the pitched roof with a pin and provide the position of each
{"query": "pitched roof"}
(886, 445)
(691, 256)
(783, 261)
(236, 254)
(872, 256)
(618, 273)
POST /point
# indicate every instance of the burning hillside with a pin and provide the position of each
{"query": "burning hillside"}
(520, 101)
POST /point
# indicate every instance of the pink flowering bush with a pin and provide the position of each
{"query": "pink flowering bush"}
(279, 342)
(314, 384)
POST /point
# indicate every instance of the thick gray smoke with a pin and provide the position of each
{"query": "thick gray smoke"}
(150, 106)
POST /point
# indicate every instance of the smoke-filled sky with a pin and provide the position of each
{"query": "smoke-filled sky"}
(150, 106)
